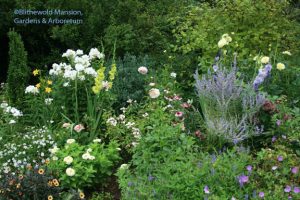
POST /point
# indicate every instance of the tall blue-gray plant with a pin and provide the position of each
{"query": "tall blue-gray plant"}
(228, 104)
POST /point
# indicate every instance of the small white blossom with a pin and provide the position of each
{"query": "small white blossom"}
(173, 75)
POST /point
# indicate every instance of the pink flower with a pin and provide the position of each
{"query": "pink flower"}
(185, 105)
(177, 98)
(178, 114)
(66, 125)
(78, 128)
(143, 70)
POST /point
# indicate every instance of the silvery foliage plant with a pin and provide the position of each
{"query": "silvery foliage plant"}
(228, 104)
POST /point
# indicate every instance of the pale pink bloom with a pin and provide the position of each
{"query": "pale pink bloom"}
(177, 98)
(185, 105)
(66, 125)
(78, 128)
(143, 70)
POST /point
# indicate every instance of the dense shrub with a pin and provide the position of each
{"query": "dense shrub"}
(129, 84)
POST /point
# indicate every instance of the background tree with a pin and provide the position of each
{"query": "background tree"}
(18, 71)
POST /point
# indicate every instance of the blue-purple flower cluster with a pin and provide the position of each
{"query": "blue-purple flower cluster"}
(262, 75)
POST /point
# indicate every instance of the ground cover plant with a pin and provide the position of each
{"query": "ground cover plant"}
(198, 103)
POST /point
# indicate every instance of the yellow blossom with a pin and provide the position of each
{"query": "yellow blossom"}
(55, 182)
(81, 195)
(41, 171)
(50, 197)
(50, 183)
(38, 85)
(49, 82)
(48, 90)
(35, 72)
(265, 59)
(280, 66)
(287, 53)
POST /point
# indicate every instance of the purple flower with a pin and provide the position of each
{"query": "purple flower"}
(261, 194)
(199, 164)
(297, 190)
(287, 188)
(151, 178)
(249, 168)
(274, 138)
(130, 183)
(243, 179)
(278, 122)
(295, 170)
(235, 141)
(213, 158)
(280, 158)
(268, 68)
(215, 68)
(206, 190)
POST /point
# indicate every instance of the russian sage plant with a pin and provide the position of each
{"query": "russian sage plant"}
(228, 105)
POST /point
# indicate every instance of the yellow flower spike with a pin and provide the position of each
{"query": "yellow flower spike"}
(112, 72)
(36, 72)
(98, 80)
(38, 85)
(49, 82)
(48, 90)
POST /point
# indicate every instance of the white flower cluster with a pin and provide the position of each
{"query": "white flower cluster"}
(11, 110)
(31, 90)
(31, 151)
(48, 101)
(112, 121)
(81, 65)
(128, 125)
(87, 155)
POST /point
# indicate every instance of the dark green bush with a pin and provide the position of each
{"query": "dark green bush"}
(129, 83)
(18, 71)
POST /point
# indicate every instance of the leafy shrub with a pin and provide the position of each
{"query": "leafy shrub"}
(228, 105)
(167, 165)
(18, 71)
(80, 166)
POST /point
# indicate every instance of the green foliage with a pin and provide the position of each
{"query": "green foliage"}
(166, 165)
(199, 31)
(18, 71)
(87, 164)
